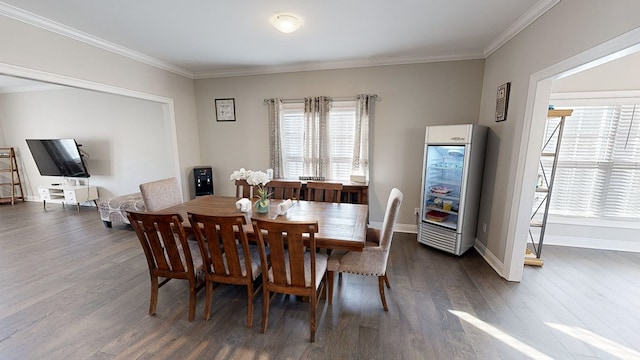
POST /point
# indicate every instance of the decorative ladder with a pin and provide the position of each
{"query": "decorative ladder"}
(544, 187)
(14, 183)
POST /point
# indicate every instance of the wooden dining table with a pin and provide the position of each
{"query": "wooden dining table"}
(340, 226)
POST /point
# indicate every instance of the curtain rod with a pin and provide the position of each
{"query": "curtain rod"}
(349, 98)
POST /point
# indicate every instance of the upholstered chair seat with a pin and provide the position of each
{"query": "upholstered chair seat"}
(373, 258)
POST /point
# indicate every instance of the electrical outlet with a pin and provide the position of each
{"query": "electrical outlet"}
(416, 211)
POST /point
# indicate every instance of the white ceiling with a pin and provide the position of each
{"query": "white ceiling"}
(200, 38)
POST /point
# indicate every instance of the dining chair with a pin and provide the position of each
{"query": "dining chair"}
(292, 269)
(284, 189)
(243, 189)
(373, 258)
(324, 191)
(169, 254)
(225, 259)
(161, 194)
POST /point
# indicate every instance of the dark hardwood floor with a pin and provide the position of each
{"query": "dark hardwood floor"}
(72, 289)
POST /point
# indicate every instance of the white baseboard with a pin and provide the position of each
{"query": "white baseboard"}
(403, 228)
(489, 257)
(602, 244)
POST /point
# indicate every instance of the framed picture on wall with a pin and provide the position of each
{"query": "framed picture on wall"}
(225, 110)
(502, 101)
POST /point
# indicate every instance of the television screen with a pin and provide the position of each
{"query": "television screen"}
(58, 157)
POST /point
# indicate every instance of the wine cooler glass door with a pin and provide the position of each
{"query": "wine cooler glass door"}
(443, 182)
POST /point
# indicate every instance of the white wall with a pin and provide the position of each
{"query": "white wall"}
(33, 50)
(617, 75)
(410, 97)
(569, 28)
(125, 138)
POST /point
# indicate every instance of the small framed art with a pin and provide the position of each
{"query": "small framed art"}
(502, 101)
(225, 110)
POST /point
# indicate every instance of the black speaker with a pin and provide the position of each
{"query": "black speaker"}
(203, 177)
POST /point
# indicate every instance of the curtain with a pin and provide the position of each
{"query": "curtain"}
(316, 157)
(275, 136)
(360, 161)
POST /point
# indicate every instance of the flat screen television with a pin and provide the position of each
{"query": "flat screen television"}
(58, 157)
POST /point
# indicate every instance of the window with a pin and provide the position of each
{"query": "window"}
(292, 130)
(598, 171)
(342, 118)
(340, 130)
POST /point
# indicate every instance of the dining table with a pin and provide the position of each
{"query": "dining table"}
(341, 226)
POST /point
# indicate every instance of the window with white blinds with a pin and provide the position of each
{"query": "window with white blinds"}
(598, 171)
(341, 129)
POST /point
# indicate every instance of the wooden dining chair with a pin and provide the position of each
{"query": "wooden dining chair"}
(324, 191)
(291, 269)
(161, 194)
(169, 254)
(226, 260)
(284, 189)
(243, 189)
(373, 258)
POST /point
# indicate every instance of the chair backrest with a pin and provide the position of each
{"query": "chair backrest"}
(390, 216)
(216, 236)
(243, 189)
(324, 191)
(161, 194)
(164, 243)
(284, 189)
(287, 253)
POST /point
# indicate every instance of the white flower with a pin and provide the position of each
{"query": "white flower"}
(241, 174)
(257, 178)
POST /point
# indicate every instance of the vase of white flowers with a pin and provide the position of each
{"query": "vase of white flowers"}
(259, 180)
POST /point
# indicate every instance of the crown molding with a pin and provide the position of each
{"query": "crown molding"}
(31, 88)
(49, 25)
(525, 20)
(335, 65)
(32, 19)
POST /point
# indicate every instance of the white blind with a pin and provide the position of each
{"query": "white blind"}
(341, 132)
(342, 120)
(292, 127)
(598, 173)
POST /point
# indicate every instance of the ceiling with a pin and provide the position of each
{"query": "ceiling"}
(202, 39)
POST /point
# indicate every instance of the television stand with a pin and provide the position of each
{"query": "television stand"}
(67, 194)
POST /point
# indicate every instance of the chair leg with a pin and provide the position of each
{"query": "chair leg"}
(153, 301)
(386, 281)
(265, 309)
(314, 302)
(192, 301)
(208, 298)
(330, 286)
(381, 288)
(249, 305)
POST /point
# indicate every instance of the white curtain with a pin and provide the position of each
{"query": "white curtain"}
(275, 142)
(316, 161)
(360, 161)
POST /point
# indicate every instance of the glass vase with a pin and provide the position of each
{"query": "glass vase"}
(262, 206)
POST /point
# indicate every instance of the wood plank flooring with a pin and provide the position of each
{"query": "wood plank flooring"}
(72, 289)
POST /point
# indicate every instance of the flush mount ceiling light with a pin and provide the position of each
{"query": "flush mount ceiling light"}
(286, 23)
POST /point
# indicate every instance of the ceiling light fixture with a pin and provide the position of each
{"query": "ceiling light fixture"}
(286, 23)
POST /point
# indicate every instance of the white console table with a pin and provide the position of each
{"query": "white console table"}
(67, 194)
